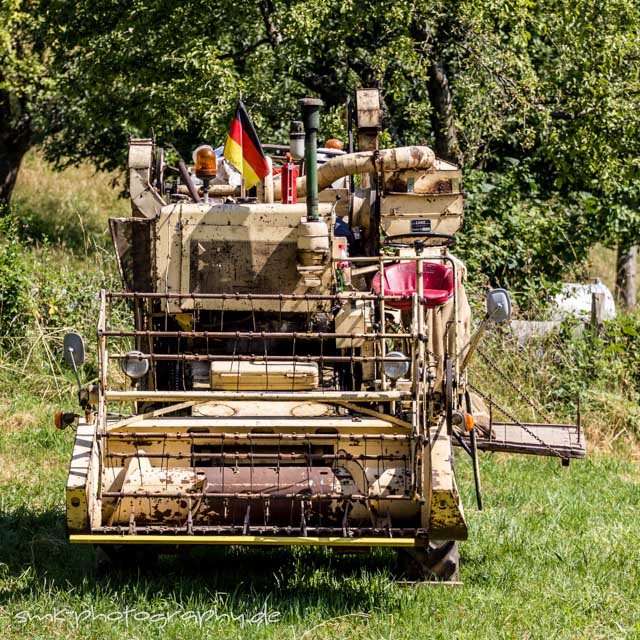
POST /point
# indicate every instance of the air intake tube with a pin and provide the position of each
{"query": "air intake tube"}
(355, 163)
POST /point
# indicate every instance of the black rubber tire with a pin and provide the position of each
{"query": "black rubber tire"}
(439, 560)
(125, 559)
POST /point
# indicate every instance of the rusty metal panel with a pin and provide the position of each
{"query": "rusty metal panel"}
(535, 439)
(218, 495)
(441, 213)
(443, 177)
(446, 518)
(368, 112)
(79, 500)
(236, 249)
(146, 202)
(134, 246)
(219, 266)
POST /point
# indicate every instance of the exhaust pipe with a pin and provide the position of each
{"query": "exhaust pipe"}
(311, 119)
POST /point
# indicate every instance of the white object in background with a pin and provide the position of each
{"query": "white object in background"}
(574, 300)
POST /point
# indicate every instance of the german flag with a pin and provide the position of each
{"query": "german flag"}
(243, 149)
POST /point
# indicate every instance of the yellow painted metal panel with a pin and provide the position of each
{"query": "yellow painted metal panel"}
(245, 540)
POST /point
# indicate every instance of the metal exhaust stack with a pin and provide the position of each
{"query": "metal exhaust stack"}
(311, 119)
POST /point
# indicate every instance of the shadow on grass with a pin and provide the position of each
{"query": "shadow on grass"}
(289, 579)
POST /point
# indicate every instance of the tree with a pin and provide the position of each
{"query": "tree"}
(23, 81)
(539, 101)
(626, 276)
(578, 161)
(79, 77)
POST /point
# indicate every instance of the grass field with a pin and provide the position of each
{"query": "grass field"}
(555, 553)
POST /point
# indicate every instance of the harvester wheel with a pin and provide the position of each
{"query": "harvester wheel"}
(124, 558)
(439, 560)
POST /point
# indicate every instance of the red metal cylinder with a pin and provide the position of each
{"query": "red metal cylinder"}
(289, 183)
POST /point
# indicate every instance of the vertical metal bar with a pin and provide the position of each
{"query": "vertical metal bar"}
(476, 468)
(474, 455)
(416, 389)
(103, 362)
(321, 363)
(383, 346)
(353, 375)
(222, 465)
(251, 463)
(422, 362)
(490, 418)
(455, 316)
(420, 289)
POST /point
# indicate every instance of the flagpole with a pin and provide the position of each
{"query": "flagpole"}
(243, 193)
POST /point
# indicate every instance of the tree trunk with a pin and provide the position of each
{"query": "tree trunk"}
(431, 41)
(442, 120)
(626, 271)
(15, 140)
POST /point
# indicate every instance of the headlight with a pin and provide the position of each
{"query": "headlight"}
(396, 370)
(134, 365)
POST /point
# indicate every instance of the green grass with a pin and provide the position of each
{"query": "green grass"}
(67, 209)
(555, 554)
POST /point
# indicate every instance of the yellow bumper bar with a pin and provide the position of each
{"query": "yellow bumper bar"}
(242, 540)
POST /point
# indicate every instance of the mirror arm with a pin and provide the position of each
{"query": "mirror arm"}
(75, 368)
(473, 343)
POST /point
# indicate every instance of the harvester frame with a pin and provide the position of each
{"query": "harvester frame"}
(288, 388)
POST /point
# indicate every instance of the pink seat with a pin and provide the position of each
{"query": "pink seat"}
(400, 280)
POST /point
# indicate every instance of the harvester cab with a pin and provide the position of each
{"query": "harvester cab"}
(287, 366)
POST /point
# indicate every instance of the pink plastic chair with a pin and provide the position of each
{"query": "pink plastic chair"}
(400, 280)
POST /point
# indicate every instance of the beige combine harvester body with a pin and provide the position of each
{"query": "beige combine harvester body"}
(298, 386)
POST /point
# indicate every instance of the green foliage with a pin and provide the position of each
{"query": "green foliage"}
(13, 280)
(600, 368)
(519, 236)
(608, 359)
(44, 290)
(24, 77)
(553, 85)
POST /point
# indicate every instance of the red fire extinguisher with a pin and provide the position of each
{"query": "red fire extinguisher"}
(289, 182)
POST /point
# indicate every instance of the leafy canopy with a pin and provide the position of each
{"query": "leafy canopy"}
(544, 96)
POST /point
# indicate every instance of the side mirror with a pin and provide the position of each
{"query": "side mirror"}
(74, 349)
(498, 305)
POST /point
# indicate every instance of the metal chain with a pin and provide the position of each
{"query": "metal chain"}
(530, 401)
(555, 452)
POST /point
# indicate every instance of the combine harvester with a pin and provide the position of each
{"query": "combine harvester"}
(294, 374)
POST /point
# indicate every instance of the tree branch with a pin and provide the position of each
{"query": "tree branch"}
(267, 10)
(243, 52)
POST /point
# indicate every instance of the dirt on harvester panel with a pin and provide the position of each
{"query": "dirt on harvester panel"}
(279, 373)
